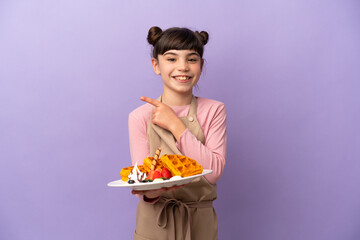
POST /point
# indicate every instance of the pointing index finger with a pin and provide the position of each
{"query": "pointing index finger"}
(154, 102)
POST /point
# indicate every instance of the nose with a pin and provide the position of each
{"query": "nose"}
(183, 65)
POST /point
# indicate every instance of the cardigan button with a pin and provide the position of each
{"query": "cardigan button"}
(190, 119)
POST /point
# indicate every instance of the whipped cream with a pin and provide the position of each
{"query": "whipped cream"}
(158, 180)
(137, 175)
(176, 177)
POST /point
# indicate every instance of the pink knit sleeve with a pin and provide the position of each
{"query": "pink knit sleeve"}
(139, 146)
(212, 154)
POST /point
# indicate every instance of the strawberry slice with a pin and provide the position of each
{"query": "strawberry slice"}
(151, 174)
(165, 173)
(157, 174)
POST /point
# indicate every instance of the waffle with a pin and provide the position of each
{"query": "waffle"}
(176, 164)
(181, 165)
(148, 162)
(124, 173)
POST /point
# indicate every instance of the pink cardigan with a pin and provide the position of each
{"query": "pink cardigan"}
(211, 115)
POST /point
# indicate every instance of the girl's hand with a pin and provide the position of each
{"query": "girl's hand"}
(165, 117)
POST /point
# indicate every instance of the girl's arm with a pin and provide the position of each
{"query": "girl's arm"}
(139, 150)
(139, 146)
(212, 154)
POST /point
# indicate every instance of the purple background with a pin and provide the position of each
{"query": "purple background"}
(288, 72)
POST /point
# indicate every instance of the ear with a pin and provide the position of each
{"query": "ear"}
(155, 65)
(202, 64)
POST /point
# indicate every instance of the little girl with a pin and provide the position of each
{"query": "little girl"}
(183, 124)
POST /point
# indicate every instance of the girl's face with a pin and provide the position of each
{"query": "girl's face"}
(180, 70)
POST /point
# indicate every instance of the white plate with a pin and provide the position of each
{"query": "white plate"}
(158, 185)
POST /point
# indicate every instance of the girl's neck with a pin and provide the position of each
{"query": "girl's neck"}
(176, 99)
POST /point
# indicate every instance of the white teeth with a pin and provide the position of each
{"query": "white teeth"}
(182, 78)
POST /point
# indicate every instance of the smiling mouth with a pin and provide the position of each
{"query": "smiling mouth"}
(182, 78)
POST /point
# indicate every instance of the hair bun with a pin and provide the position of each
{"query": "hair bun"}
(154, 35)
(204, 37)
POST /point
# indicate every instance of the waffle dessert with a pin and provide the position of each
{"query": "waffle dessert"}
(178, 165)
(148, 163)
(181, 165)
(124, 173)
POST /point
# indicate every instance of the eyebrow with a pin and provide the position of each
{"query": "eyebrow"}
(190, 54)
